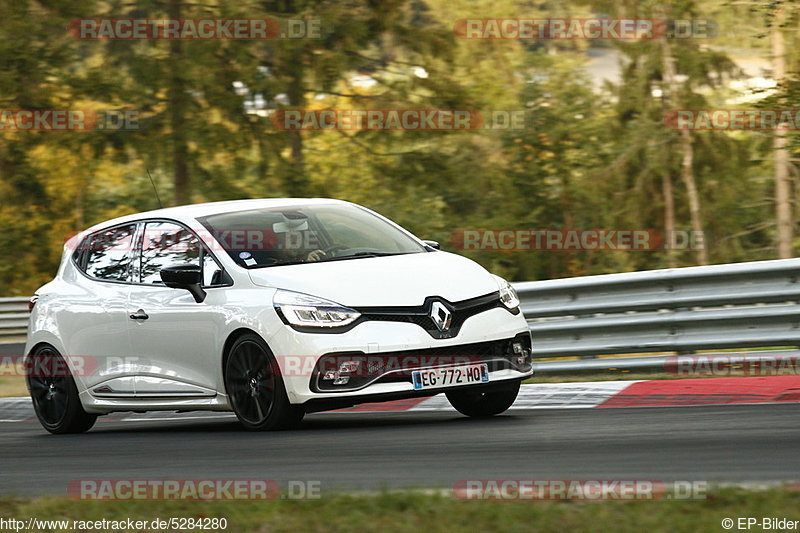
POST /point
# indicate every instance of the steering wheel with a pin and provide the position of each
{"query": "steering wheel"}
(334, 247)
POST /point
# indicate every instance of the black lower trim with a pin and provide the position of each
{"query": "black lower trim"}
(397, 367)
(330, 404)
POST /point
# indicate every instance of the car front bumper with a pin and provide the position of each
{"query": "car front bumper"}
(403, 348)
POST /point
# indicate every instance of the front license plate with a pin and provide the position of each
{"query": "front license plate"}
(453, 376)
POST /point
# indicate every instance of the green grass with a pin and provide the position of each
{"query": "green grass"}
(11, 386)
(416, 511)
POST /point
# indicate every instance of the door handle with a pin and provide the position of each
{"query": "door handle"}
(139, 315)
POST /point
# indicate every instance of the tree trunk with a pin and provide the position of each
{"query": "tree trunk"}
(177, 113)
(783, 188)
(79, 208)
(669, 218)
(296, 184)
(687, 151)
(687, 175)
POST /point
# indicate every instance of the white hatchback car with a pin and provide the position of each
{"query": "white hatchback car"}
(269, 308)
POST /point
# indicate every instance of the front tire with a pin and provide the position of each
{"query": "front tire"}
(54, 393)
(255, 387)
(481, 404)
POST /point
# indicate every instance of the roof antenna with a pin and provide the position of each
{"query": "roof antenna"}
(154, 188)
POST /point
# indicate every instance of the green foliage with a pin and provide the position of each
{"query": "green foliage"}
(588, 157)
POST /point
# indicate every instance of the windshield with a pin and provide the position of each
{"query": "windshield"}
(308, 234)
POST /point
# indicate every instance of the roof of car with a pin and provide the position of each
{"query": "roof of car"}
(192, 211)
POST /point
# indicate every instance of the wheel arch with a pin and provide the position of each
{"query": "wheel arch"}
(38, 338)
(38, 345)
(230, 340)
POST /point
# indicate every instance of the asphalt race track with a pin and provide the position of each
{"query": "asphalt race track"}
(741, 443)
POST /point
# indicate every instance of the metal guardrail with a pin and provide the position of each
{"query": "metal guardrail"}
(741, 305)
(13, 317)
(751, 363)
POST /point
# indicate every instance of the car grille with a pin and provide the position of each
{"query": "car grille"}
(421, 315)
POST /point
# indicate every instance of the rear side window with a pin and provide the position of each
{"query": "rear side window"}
(107, 254)
(166, 244)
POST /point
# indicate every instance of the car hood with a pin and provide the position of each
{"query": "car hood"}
(383, 281)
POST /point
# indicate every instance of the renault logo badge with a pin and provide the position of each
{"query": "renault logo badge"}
(441, 316)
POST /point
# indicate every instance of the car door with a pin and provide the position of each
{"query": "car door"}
(94, 322)
(177, 341)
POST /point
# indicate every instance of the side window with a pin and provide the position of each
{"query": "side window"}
(212, 272)
(108, 253)
(166, 244)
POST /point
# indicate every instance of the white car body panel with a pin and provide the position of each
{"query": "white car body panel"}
(410, 279)
(173, 360)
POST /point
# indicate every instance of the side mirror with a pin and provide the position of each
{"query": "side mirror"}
(188, 277)
(432, 244)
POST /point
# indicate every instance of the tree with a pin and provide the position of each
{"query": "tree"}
(687, 160)
(783, 187)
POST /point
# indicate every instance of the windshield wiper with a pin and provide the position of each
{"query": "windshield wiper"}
(359, 255)
(285, 263)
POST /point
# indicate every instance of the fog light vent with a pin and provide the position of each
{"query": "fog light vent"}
(341, 380)
(348, 367)
(521, 352)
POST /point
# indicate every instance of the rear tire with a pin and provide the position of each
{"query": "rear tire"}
(255, 387)
(54, 393)
(478, 403)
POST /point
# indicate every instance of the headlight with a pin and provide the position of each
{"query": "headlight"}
(508, 295)
(309, 311)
